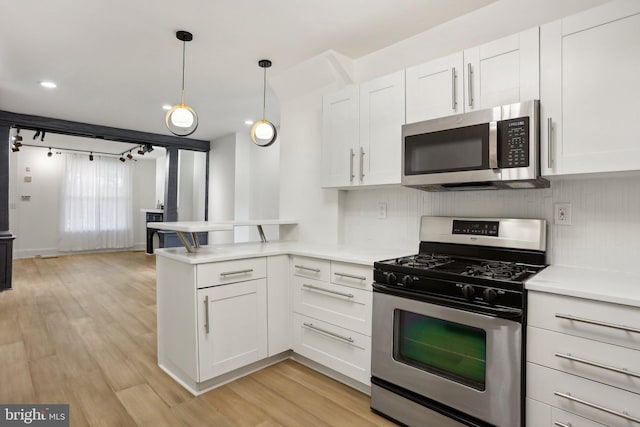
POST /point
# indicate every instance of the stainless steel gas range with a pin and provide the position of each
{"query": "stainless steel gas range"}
(448, 323)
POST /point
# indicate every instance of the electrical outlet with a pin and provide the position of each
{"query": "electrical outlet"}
(382, 210)
(562, 214)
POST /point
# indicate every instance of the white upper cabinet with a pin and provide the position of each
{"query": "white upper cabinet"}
(381, 120)
(340, 132)
(362, 133)
(435, 89)
(590, 84)
(502, 72)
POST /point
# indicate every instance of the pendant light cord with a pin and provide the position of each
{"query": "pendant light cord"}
(184, 44)
(264, 96)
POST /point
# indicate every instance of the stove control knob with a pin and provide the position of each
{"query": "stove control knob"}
(407, 281)
(391, 279)
(489, 295)
(468, 292)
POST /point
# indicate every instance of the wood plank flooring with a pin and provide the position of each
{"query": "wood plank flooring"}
(81, 329)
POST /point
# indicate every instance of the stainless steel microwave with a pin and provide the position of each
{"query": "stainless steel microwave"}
(485, 149)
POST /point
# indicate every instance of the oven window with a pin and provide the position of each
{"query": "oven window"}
(460, 149)
(448, 349)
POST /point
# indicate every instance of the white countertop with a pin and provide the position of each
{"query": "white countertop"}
(152, 210)
(228, 252)
(600, 285)
(190, 226)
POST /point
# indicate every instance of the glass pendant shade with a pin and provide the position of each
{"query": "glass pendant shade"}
(263, 132)
(182, 120)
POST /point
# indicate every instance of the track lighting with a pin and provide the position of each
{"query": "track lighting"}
(129, 156)
(17, 139)
(36, 135)
(122, 159)
(140, 151)
(148, 148)
(49, 154)
(91, 157)
(15, 149)
(42, 137)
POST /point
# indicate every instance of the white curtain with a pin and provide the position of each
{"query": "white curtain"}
(96, 206)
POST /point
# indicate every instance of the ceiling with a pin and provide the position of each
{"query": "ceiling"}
(117, 62)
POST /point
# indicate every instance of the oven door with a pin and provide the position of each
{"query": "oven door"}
(449, 150)
(463, 360)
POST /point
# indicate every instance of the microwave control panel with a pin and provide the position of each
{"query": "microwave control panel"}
(513, 140)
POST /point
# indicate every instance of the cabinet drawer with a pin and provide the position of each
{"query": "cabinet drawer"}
(542, 415)
(339, 305)
(220, 273)
(605, 363)
(313, 268)
(342, 350)
(354, 275)
(610, 406)
(600, 321)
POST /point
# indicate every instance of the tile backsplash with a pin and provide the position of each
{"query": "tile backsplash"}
(604, 231)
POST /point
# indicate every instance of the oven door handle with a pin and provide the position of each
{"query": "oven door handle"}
(504, 313)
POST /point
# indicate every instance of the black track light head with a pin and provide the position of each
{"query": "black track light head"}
(122, 159)
(36, 135)
(15, 149)
(129, 155)
(42, 137)
(141, 151)
(148, 148)
(49, 154)
(91, 157)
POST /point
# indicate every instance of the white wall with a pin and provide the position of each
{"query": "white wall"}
(35, 222)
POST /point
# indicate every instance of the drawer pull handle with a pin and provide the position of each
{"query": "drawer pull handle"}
(623, 415)
(206, 314)
(329, 333)
(598, 323)
(350, 276)
(598, 365)
(302, 267)
(329, 291)
(230, 273)
(559, 424)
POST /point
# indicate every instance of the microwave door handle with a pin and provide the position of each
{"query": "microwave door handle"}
(493, 145)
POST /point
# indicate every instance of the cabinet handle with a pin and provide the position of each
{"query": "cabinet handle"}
(559, 424)
(550, 141)
(470, 83)
(329, 333)
(361, 164)
(230, 273)
(352, 155)
(302, 267)
(454, 102)
(598, 323)
(623, 415)
(350, 276)
(206, 314)
(623, 371)
(316, 288)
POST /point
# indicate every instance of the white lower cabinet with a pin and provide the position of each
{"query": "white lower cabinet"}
(232, 327)
(583, 362)
(332, 317)
(337, 348)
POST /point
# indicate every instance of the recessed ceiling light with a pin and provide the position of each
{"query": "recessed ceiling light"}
(166, 107)
(248, 122)
(48, 85)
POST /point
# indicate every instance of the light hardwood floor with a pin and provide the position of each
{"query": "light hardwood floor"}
(81, 329)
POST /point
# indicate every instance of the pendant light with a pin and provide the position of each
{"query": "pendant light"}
(181, 119)
(263, 132)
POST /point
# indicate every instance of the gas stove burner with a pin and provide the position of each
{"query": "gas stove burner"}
(424, 261)
(496, 270)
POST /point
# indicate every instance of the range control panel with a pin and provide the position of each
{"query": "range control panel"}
(513, 137)
(476, 228)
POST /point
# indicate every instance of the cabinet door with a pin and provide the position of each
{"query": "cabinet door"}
(340, 141)
(502, 72)
(590, 84)
(434, 89)
(232, 327)
(381, 120)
